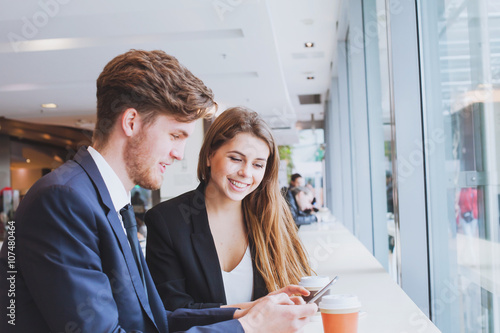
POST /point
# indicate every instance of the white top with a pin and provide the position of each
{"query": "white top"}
(238, 284)
(119, 195)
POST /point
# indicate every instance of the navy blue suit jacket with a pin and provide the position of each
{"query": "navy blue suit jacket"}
(75, 269)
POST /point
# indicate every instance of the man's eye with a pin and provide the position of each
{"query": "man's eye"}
(235, 159)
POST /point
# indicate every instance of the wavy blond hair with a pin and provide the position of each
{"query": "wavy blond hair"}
(279, 255)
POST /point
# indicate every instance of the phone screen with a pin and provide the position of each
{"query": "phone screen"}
(322, 291)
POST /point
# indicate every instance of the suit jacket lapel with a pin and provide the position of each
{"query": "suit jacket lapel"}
(204, 245)
(84, 158)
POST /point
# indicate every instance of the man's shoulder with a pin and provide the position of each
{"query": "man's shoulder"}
(68, 177)
(69, 174)
(63, 189)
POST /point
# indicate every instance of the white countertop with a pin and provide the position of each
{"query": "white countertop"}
(333, 250)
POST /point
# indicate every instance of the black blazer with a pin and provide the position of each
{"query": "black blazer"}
(181, 254)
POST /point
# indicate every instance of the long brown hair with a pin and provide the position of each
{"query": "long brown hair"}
(279, 255)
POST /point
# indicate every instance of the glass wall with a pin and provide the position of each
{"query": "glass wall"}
(308, 155)
(460, 58)
(379, 128)
(359, 131)
(365, 130)
(419, 83)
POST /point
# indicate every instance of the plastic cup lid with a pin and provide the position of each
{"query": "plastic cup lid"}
(314, 281)
(339, 302)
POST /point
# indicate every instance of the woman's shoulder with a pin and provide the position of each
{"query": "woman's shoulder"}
(165, 215)
(175, 203)
(180, 205)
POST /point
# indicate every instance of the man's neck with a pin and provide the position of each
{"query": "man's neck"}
(114, 157)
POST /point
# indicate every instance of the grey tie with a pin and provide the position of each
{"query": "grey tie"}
(130, 224)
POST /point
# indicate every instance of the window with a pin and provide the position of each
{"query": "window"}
(460, 57)
(379, 128)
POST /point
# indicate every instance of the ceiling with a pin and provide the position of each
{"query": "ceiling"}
(249, 52)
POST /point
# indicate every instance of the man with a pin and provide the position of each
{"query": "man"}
(296, 180)
(76, 266)
(301, 205)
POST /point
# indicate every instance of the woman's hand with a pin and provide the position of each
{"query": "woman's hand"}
(294, 292)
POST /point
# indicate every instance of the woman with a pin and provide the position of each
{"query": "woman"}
(233, 239)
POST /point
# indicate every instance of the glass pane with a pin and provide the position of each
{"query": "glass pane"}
(380, 122)
(460, 50)
(350, 48)
(307, 156)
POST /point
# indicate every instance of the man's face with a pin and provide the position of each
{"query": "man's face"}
(304, 200)
(157, 145)
(299, 181)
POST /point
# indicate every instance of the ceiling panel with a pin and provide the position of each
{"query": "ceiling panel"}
(249, 53)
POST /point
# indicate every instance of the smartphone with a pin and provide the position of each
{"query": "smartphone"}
(322, 291)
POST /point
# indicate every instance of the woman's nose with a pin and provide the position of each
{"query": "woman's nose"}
(245, 170)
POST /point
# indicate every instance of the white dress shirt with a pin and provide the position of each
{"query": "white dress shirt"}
(119, 195)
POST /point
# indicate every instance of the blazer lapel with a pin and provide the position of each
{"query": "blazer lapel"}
(84, 158)
(204, 245)
(259, 285)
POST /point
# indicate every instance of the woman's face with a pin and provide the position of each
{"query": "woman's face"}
(238, 167)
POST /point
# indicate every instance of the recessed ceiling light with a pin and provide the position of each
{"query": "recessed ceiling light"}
(28, 160)
(49, 106)
(309, 44)
(310, 77)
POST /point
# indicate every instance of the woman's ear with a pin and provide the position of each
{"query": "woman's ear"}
(208, 160)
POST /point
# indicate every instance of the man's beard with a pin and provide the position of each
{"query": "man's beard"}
(140, 164)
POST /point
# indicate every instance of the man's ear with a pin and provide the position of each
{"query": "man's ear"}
(130, 121)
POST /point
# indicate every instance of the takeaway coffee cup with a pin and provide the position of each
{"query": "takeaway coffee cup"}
(340, 313)
(314, 284)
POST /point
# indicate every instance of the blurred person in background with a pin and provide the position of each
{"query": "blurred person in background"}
(295, 181)
(301, 205)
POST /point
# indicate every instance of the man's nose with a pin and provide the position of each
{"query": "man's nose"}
(177, 154)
